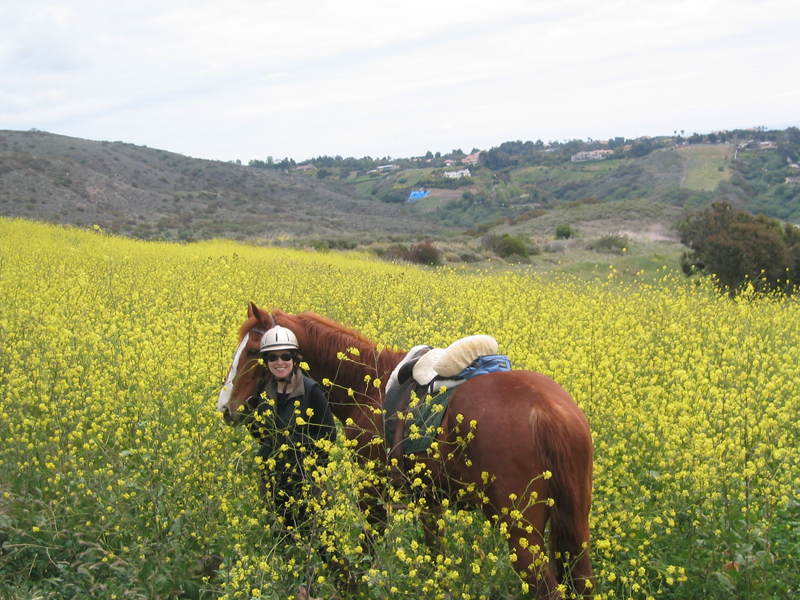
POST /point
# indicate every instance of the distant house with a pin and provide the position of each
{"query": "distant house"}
(754, 145)
(304, 168)
(793, 180)
(591, 155)
(472, 159)
(456, 174)
(383, 169)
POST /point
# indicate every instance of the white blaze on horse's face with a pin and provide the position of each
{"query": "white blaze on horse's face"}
(227, 387)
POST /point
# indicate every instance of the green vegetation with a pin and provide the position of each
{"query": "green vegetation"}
(424, 253)
(506, 245)
(118, 478)
(738, 248)
(564, 232)
(614, 244)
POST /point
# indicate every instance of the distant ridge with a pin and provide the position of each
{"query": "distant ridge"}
(154, 194)
(524, 188)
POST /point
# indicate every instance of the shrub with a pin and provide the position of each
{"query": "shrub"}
(510, 245)
(609, 243)
(396, 252)
(446, 182)
(394, 196)
(425, 253)
(506, 245)
(564, 232)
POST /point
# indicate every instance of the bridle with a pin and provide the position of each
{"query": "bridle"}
(251, 402)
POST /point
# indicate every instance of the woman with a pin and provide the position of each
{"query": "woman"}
(291, 419)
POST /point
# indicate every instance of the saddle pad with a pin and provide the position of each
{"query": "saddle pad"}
(422, 422)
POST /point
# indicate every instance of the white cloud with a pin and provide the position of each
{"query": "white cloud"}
(247, 78)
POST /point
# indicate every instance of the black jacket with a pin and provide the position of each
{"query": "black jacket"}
(298, 421)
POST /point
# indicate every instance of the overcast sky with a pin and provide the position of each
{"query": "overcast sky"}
(244, 79)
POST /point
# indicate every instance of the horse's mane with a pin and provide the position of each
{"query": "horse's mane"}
(331, 338)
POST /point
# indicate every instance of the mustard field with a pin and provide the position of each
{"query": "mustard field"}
(118, 478)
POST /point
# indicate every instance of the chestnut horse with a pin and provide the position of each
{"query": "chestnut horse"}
(514, 443)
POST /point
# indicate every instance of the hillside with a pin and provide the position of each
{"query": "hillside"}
(639, 190)
(149, 193)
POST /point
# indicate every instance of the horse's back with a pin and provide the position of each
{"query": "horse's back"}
(510, 394)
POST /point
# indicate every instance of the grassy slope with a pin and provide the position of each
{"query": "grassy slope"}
(706, 165)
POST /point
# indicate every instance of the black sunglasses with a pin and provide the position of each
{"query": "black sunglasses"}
(285, 357)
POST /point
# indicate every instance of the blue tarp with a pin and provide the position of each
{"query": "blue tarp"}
(414, 196)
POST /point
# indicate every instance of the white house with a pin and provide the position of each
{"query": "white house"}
(456, 174)
(591, 155)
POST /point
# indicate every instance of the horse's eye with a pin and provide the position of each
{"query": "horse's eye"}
(253, 352)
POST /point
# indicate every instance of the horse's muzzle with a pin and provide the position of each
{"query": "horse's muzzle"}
(227, 416)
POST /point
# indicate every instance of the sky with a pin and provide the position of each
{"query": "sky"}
(247, 79)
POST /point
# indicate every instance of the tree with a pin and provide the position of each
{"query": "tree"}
(641, 147)
(696, 138)
(738, 247)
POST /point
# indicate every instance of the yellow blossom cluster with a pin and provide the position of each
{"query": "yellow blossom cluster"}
(117, 475)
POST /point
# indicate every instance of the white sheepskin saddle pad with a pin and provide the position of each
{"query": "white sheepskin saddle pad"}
(461, 353)
(443, 364)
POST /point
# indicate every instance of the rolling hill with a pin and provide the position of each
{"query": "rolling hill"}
(522, 189)
(148, 193)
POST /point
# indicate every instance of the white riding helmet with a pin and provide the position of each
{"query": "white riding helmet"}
(279, 338)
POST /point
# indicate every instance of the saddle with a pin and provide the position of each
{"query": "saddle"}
(418, 393)
(411, 418)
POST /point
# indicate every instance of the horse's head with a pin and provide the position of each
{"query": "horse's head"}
(239, 394)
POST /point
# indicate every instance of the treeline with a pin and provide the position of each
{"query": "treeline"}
(516, 154)
(285, 165)
(361, 165)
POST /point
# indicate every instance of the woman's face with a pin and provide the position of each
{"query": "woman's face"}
(280, 363)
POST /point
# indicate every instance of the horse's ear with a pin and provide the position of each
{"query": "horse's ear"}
(252, 310)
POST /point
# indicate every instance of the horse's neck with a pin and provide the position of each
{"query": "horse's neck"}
(351, 375)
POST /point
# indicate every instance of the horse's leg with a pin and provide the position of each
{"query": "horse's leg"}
(582, 577)
(433, 526)
(523, 516)
(532, 564)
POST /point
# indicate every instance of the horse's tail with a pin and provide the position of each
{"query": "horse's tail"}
(562, 443)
